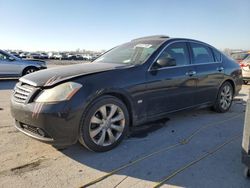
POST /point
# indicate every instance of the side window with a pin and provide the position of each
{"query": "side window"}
(3, 56)
(177, 53)
(217, 55)
(201, 53)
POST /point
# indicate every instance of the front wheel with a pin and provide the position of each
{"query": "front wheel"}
(224, 98)
(29, 70)
(104, 124)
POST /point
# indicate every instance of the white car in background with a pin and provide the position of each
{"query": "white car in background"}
(87, 57)
(245, 67)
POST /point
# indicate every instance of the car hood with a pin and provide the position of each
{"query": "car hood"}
(52, 76)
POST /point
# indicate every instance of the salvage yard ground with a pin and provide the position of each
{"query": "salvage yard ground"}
(196, 148)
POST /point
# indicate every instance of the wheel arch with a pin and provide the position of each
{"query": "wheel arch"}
(126, 101)
(231, 82)
(121, 95)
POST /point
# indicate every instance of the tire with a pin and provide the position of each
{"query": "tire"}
(247, 172)
(104, 124)
(29, 70)
(245, 82)
(224, 98)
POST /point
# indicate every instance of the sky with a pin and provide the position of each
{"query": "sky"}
(102, 24)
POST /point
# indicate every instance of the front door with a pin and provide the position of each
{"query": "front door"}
(172, 87)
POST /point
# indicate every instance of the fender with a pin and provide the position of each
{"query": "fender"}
(121, 94)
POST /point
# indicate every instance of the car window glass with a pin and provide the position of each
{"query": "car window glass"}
(134, 52)
(3, 56)
(201, 54)
(217, 55)
(178, 52)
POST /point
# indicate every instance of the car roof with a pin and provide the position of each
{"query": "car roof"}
(165, 38)
(152, 37)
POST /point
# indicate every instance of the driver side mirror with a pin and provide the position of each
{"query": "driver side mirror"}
(165, 62)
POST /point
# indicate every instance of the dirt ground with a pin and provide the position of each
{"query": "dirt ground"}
(197, 148)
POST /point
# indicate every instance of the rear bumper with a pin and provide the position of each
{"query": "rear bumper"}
(246, 75)
(56, 124)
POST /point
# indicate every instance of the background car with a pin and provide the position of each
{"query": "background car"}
(137, 82)
(24, 55)
(245, 67)
(11, 66)
(75, 57)
(34, 56)
(44, 56)
(240, 56)
(60, 56)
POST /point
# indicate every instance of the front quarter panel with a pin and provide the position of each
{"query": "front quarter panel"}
(128, 84)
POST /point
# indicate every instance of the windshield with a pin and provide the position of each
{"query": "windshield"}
(8, 55)
(135, 52)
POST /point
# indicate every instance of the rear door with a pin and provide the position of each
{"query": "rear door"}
(171, 88)
(209, 71)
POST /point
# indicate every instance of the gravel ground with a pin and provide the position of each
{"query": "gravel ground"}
(168, 151)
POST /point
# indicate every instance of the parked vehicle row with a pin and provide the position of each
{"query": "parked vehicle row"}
(58, 56)
(136, 82)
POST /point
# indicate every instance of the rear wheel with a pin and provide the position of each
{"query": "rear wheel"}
(224, 98)
(245, 82)
(104, 124)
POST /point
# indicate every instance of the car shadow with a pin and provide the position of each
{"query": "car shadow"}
(6, 84)
(102, 160)
(151, 138)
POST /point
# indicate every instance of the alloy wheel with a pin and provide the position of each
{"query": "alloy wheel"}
(30, 71)
(226, 97)
(107, 125)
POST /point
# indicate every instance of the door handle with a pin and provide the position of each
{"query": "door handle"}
(220, 69)
(191, 73)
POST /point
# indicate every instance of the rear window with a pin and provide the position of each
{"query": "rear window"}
(201, 53)
(217, 55)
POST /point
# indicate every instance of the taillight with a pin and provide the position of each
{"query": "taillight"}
(243, 65)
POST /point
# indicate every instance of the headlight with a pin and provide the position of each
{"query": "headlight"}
(61, 92)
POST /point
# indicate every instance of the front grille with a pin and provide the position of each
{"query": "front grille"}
(22, 92)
